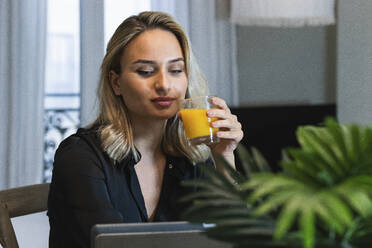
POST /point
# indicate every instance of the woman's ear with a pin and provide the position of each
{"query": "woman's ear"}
(114, 82)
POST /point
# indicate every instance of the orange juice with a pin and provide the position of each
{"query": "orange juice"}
(197, 123)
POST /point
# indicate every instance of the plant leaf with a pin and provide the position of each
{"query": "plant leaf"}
(307, 223)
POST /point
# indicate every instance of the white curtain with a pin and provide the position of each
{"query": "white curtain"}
(283, 13)
(92, 49)
(22, 55)
(213, 41)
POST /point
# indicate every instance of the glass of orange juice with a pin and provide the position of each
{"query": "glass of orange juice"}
(196, 123)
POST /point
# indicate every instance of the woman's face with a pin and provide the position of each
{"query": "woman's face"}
(152, 78)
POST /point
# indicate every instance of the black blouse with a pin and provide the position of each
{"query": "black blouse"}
(88, 188)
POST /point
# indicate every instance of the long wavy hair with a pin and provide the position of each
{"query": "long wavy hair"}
(115, 125)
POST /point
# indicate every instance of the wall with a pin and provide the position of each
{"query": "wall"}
(286, 66)
(354, 64)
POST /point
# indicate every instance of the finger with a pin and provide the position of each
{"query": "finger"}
(228, 124)
(236, 135)
(220, 103)
(219, 113)
(222, 114)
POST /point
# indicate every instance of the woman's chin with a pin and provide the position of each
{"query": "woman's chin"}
(166, 116)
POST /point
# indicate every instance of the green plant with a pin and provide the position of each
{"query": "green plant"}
(222, 200)
(323, 196)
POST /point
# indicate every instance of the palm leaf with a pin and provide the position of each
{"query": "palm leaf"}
(269, 183)
(252, 162)
(204, 195)
(322, 197)
(261, 163)
(339, 146)
(338, 209)
(307, 223)
(233, 174)
(211, 186)
(272, 202)
(221, 200)
(313, 141)
(285, 219)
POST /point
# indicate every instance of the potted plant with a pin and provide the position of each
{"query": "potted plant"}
(321, 198)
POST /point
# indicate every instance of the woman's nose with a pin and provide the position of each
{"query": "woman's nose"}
(162, 83)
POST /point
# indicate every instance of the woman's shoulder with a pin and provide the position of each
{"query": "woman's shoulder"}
(83, 140)
(80, 151)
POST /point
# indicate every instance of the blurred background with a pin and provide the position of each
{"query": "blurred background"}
(276, 66)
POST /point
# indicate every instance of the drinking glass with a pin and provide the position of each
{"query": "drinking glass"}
(196, 123)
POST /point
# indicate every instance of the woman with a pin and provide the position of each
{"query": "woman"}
(128, 164)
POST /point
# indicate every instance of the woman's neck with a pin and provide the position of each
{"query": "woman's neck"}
(148, 135)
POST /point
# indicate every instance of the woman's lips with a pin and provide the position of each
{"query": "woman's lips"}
(163, 102)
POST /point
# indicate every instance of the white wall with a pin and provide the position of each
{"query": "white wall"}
(286, 66)
(354, 65)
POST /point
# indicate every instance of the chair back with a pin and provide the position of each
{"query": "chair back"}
(18, 202)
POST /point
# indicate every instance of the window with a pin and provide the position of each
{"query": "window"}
(62, 73)
(62, 85)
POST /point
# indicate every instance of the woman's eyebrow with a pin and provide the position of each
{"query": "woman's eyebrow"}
(176, 60)
(143, 61)
(151, 62)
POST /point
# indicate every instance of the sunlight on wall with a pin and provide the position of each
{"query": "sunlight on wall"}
(117, 10)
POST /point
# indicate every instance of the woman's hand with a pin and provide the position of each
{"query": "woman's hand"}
(230, 130)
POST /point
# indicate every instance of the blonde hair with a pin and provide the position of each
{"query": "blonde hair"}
(115, 127)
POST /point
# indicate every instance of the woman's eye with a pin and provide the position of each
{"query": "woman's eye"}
(145, 72)
(176, 71)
